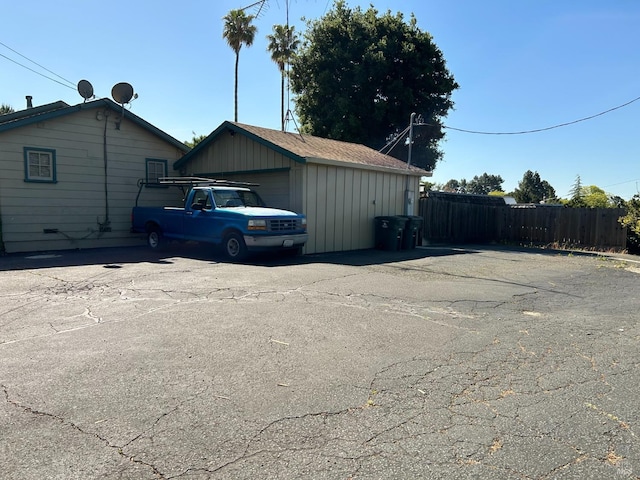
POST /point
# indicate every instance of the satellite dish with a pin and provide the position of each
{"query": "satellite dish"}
(85, 89)
(122, 93)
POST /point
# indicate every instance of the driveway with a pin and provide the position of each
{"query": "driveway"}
(437, 363)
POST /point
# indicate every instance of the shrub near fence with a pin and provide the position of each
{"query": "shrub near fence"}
(457, 218)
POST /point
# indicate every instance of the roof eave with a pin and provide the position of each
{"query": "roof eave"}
(362, 166)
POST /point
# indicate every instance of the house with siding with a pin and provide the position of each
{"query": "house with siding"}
(69, 175)
(340, 186)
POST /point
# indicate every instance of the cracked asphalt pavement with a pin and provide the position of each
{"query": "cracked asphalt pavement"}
(436, 363)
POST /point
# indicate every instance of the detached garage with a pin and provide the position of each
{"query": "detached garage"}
(341, 187)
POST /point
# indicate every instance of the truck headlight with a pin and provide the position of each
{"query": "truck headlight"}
(304, 223)
(257, 225)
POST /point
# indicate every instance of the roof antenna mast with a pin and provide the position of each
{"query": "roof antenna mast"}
(289, 115)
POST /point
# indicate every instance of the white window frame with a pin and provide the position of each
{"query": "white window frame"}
(155, 164)
(35, 165)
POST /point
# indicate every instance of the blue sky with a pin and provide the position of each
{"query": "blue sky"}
(521, 65)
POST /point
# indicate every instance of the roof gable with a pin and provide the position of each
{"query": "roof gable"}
(305, 148)
(58, 109)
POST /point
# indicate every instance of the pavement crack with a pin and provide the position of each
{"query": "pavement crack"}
(67, 423)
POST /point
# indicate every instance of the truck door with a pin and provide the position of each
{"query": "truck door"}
(199, 222)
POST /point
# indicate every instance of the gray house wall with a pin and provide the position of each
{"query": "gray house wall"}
(75, 208)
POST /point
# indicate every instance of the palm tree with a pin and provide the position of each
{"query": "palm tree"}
(238, 31)
(282, 45)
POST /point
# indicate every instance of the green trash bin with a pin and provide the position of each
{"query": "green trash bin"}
(412, 235)
(389, 232)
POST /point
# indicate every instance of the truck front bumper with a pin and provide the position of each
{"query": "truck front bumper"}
(275, 241)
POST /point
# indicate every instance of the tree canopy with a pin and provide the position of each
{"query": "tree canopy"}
(195, 140)
(591, 196)
(4, 109)
(359, 75)
(485, 184)
(478, 185)
(532, 189)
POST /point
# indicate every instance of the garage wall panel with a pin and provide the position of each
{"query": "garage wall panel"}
(273, 187)
(342, 203)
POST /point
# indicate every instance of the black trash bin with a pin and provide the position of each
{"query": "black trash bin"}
(412, 235)
(389, 232)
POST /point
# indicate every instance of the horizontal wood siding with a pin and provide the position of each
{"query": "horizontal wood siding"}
(76, 204)
(341, 205)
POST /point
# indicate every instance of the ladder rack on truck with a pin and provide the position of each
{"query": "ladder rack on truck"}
(191, 182)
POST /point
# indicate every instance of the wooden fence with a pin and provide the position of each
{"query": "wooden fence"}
(452, 220)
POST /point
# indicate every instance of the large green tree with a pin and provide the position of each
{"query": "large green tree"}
(532, 189)
(238, 31)
(283, 43)
(359, 75)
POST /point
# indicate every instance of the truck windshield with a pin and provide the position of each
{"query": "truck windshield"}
(237, 198)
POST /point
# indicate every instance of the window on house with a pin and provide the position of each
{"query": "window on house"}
(156, 169)
(39, 165)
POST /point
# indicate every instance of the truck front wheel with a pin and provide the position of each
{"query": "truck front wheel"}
(154, 238)
(234, 247)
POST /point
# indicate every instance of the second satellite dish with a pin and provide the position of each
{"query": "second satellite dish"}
(122, 93)
(85, 89)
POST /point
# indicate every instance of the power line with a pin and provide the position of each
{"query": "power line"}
(34, 71)
(545, 128)
(35, 63)
(394, 140)
(622, 183)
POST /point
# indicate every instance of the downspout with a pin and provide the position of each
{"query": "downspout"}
(106, 225)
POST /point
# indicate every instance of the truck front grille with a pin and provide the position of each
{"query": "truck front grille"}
(285, 225)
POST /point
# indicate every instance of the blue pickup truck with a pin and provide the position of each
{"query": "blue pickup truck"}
(230, 214)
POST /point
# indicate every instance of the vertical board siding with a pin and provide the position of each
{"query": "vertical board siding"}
(76, 204)
(456, 222)
(341, 205)
(310, 206)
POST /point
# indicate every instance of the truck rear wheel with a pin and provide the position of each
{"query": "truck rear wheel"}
(155, 239)
(234, 247)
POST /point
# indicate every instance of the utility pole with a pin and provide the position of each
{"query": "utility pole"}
(408, 194)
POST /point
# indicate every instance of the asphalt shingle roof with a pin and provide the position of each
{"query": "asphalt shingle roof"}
(310, 147)
(305, 148)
